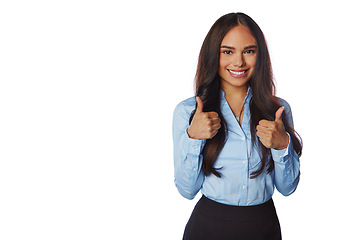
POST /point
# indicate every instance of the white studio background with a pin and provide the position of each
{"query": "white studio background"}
(87, 93)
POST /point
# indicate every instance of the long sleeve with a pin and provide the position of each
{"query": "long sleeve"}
(187, 155)
(287, 164)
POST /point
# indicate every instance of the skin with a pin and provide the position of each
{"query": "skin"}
(238, 51)
(204, 125)
(272, 134)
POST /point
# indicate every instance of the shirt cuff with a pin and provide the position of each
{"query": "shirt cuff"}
(195, 146)
(279, 155)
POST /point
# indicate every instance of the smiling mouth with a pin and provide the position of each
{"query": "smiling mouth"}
(238, 73)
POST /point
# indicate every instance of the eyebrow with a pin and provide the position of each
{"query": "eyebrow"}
(245, 48)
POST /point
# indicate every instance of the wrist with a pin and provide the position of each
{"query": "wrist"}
(189, 133)
(285, 143)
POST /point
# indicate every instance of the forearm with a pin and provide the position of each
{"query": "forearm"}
(287, 169)
(187, 164)
(187, 156)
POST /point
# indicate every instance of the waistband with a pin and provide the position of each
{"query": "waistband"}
(210, 208)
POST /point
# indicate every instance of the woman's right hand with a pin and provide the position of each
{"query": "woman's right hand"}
(204, 125)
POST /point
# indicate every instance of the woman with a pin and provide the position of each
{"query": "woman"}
(235, 140)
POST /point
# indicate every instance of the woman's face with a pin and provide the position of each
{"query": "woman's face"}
(237, 59)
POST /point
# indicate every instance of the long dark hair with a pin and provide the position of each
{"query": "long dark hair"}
(263, 104)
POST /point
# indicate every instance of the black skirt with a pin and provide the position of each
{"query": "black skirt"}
(213, 220)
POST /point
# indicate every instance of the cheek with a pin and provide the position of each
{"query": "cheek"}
(224, 60)
(222, 67)
(221, 62)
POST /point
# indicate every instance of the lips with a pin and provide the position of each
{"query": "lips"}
(238, 73)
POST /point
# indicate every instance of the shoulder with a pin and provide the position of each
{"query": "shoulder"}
(185, 107)
(284, 103)
(287, 110)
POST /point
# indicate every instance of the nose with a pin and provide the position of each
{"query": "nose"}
(239, 61)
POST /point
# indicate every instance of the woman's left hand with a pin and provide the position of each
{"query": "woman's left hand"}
(272, 134)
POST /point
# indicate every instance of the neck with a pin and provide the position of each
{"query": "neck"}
(235, 97)
(237, 94)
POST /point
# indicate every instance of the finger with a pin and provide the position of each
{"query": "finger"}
(266, 123)
(215, 120)
(261, 136)
(212, 134)
(278, 114)
(213, 115)
(262, 129)
(265, 139)
(200, 105)
(215, 127)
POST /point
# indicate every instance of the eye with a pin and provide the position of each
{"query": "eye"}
(250, 51)
(227, 52)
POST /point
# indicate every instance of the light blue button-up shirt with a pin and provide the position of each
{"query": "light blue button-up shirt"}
(237, 161)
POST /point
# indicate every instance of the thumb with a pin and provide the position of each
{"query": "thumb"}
(278, 114)
(199, 105)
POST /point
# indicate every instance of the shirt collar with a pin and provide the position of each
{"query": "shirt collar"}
(248, 95)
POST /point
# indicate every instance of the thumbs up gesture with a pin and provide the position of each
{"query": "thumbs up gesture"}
(204, 125)
(272, 134)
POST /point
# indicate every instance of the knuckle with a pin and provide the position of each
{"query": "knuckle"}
(213, 134)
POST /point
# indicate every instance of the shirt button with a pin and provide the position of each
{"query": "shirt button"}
(244, 162)
(196, 147)
(244, 187)
(288, 172)
(194, 169)
(243, 138)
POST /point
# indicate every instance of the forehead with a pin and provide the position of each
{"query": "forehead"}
(239, 37)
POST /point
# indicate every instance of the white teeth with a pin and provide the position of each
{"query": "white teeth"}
(237, 73)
